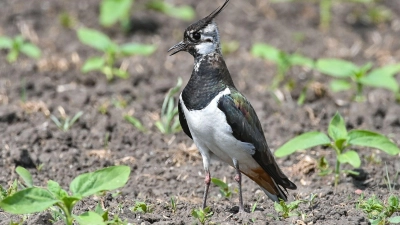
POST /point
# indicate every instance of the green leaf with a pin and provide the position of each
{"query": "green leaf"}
(183, 12)
(350, 157)
(25, 175)
(30, 50)
(303, 141)
(94, 39)
(394, 220)
(219, 183)
(266, 52)
(137, 49)
(300, 60)
(56, 189)
(389, 70)
(374, 140)
(339, 85)
(113, 10)
(93, 63)
(337, 128)
(278, 207)
(30, 200)
(89, 218)
(12, 56)
(336, 67)
(381, 80)
(101, 180)
(5, 42)
(120, 73)
(135, 122)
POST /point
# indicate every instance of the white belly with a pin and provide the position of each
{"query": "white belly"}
(211, 132)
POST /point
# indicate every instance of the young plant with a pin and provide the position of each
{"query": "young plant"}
(284, 60)
(113, 11)
(348, 75)
(37, 199)
(173, 204)
(65, 123)
(341, 141)
(185, 12)
(287, 210)
(223, 187)
(202, 215)
(169, 121)
(141, 207)
(378, 212)
(135, 122)
(111, 53)
(18, 45)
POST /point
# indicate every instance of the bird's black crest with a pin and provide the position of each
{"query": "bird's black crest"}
(206, 20)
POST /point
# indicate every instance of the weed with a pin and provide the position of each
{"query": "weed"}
(340, 140)
(185, 12)
(378, 212)
(111, 52)
(135, 122)
(37, 199)
(172, 204)
(169, 121)
(113, 11)
(223, 187)
(287, 210)
(65, 123)
(141, 207)
(347, 76)
(202, 215)
(18, 45)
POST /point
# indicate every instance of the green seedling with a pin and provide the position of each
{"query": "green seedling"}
(172, 204)
(35, 199)
(185, 12)
(111, 53)
(202, 215)
(323, 167)
(223, 187)
(135, 122)
(66, 20)
(65, 123)
(141, 207)
(113, 11)
(283, 60)
(18, 45)
(229, 47)
(378, 212)
(287, 210)
(341, 141)
(169, 121)
(347, 76)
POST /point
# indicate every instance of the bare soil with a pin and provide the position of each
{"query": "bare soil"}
(165, 166)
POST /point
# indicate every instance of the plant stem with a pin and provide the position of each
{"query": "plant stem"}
(68, 217)
(337, 172)
(359, 96)
(325, 14)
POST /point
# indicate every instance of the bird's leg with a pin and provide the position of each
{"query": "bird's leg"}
(238, 178)
(207, 181)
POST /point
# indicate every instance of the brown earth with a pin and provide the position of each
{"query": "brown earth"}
(165, 166)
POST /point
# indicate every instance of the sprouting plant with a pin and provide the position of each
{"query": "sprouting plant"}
(284, 60)
(18, 45)
(113, 11)
(142, 207)
(65, 122)
(37, 199)
(287, 210)
(311, 200)
(111, 53)
(66, 20)
(378, 212)
(223, 187)
(341, 141)
(172, 204)
(185, 12)
(323, 167)
(135, 122)
(169, 121)
(202, 215)
(348, 75)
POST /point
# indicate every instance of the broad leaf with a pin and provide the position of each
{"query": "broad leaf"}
(336, 67)
(219, 183)
(299, 60)
(381, 81)
(183, 12)
(113, 10)
(25, 175)
(5, 42)
(266, 52)
(339, 85)
(350, 157)
(90, 218)
(56, 189)
(30, 50)
(137, 49)
(374, 140)
(94, 39)
(303, 141)
(29, 200)
(102, 180)
(93, 63)
(394, 220)
(389, 70)
(337, 128)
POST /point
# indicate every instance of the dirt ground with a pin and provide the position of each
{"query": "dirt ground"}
(165, 166)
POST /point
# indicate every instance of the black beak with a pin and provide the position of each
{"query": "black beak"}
(181, 46)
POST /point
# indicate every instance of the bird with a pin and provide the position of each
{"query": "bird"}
(220, 120)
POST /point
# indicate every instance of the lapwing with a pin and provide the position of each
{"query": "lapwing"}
(219, 119)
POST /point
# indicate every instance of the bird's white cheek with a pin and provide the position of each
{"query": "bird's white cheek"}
(205, 48)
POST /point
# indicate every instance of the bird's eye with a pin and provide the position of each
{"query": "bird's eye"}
(196, 36)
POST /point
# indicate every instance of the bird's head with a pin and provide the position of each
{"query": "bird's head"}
(201, 37)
